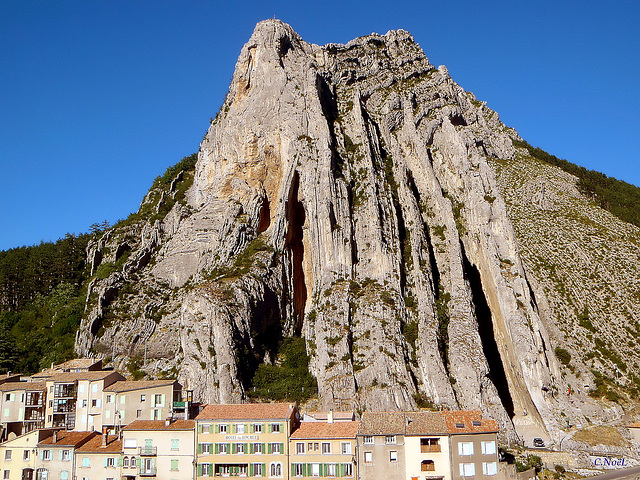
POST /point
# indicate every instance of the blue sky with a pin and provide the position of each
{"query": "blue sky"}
(97, 98)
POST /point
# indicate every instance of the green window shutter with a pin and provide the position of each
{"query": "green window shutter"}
(252, 429)
(199, 428)
(217, 450)
(233, 448)
(199, 448)
(60, 454)
(246, 428)
(163, 398)
(269, 449)
(307, 469)
(282, 448)
(342, 469)
(293, 469)
(217, 428)
(269, 428)
(251, 448)
(251, 469)
(105, 463)
(264, 469)
(199, 469)
(263, 448)
(246, 447)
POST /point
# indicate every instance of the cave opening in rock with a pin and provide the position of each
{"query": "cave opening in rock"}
(265, 216)
(294, 251)
(485, 329)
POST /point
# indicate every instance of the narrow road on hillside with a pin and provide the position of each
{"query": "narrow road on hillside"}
(626, 473)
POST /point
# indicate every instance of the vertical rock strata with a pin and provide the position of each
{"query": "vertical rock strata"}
(349, 187)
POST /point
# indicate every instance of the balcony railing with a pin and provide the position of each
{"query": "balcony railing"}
(430, 448)
(64, 408)
(64, 391)
(148, 451)
(178, 404)
(147, 471)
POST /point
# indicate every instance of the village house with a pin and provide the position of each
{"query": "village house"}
(129, 400)
(22, 407)
(245, 440)
(160, 449)
(56, 454)
(18, 455)
(380, 446)
(99, 458)
(323, 449)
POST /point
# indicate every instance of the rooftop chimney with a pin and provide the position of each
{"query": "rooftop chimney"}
(167, 421)
(104, 436)
(330, 416)
(55, 436)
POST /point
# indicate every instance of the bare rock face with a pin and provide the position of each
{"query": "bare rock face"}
(343, 194)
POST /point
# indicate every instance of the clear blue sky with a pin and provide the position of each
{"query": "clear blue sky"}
(97, 98)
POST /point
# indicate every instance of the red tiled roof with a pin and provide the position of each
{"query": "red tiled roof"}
(161, 425)
(62, 377)
(326, 430)
(68, 438)
(421, 423)
(337, 416)
(114, 445)
(10, 386)
(247, 411)
(471, 421)
(127, 385)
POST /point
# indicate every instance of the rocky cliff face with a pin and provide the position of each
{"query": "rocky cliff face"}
(345, 194)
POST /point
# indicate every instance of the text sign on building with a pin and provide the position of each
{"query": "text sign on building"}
(241, 437)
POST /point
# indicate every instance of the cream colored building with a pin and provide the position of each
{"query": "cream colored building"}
(21, 407)
(160, 449)
(126, 401)
(18, 455)
(56, 454)
(323, 449)
(427, 446)
(99, 458)
(75, 399)
(249, 440)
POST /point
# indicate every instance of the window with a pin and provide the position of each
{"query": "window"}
(125, 462)
(326, 447)
(206, 469)
(490, 468)
(476, 423)
(223, 428)
(42, 474)
(242, 470)
(223, 448)
(300, 448)
(240, 428)
(275, 428)
(5, 475)
(130, 443)
(26, 455)
(257, 428)
(390, 440)
(175, 444)
(111, 462)
(7, 397)
(109, 399)
(94, 388)
(275, 448)
(348, 470)
(315, 469)
(123, 399)
(298, 469)
(345, 448)
(143, 398)
(240, 448)
(488, 448)
(66, 455)
(467, 469)
(138, 413)
(86, 462)
(133, 462)
(428, 445)
(465, 448)
(7, 454)
(84, 403)
(257, 470)
(257, 448)
(46, 455)
(393, 456)
(368, 440)
(95, 403)
(157, 400)
(205, 448)
(174, 464)
(427, 466)
(64, 475)
(275, 470)
(331, 470)
(368, 457)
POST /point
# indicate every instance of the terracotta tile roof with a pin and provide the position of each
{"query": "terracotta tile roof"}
(382, 423)
(45, 373)
(337, 416)
(160, 425)
(95, 445)
(422, 423)
(128, 385)
(247, 411)
(326, 430)
(73, 376)
(69, 438)
(10, 386)
(471, 421)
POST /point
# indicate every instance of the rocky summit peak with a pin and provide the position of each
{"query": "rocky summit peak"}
(344, 197)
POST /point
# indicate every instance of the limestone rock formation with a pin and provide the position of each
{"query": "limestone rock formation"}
(346, 194)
